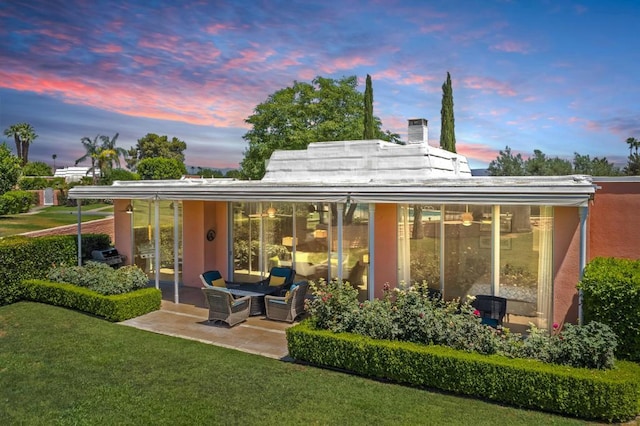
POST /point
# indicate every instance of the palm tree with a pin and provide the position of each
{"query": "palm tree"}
(110, 153)
(54, 156)
(633, 143)
(92, 151)
(23, 134)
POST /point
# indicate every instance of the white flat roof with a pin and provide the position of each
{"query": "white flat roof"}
(369, 171)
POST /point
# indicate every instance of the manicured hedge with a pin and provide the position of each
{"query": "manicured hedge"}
(113, 308)
(610, 395)
(24, 258)
(611, 295)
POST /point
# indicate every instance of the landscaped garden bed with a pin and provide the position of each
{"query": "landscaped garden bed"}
(367, 339)
(97, 288)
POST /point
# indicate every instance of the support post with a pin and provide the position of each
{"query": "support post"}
(79, 232)
(584, 213)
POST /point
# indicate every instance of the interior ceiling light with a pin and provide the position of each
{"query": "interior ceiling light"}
(467, 218)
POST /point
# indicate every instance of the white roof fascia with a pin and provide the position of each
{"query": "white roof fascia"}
(574, 190)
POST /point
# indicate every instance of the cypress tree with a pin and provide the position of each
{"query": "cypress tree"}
(447, 129)
(369, 127)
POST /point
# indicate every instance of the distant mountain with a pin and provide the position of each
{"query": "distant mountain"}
(193, 170)
(480, 172)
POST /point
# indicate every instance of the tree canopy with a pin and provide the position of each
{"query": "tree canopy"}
(9, 169)
(155, 146)
(507, 164)
(447, 128)
(23, 134)
(37, 168)
(161, 168)
(293, 117)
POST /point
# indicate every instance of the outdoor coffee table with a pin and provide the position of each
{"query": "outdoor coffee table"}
(257, 300)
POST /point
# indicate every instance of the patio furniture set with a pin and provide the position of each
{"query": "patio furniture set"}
(277, 297)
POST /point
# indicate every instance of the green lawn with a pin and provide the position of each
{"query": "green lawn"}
(49, 217)
(62, 367)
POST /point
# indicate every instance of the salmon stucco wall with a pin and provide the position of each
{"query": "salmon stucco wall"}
(566, 262)
(614, 227)
(122, 226)
(386, 247)
(199, 254)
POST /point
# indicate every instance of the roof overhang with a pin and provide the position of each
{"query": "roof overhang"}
(574, 190)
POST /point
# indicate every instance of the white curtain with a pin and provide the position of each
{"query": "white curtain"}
(545, 267)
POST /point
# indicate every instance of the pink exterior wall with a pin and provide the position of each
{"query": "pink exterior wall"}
(122, 228)
(198, 254)
(385, 246)
(614, 227)
(566, 263)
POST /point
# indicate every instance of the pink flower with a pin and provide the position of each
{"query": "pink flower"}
(421, 315)
(476, 313)
(555, 325)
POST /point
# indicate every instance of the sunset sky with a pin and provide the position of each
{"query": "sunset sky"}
(559, 76)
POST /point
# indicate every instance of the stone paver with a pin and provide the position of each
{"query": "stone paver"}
(257, 335)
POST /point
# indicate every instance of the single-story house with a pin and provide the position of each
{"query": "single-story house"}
(373, 212)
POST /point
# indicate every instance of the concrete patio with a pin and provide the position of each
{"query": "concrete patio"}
(188, 320)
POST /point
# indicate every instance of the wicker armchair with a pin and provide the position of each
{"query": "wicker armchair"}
(223, 307)
(287, 308)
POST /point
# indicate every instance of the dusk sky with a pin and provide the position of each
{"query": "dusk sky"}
(559, 76)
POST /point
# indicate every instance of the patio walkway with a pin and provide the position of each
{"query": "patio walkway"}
(188, 320)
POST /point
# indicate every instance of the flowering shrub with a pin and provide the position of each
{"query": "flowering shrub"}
(411, 315)
(100, 277)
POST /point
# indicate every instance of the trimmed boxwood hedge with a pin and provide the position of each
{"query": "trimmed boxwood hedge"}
(611, 295)
(610, 395)
(31, 258)
(115, 308)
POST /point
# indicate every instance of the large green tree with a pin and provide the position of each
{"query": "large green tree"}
(155, 146)
(447, 128)
(369, 123)
(9, 169)
(584, 165)
(507, 164)
(37, 168)
(23, 134)
(293, 117)
(541, 165)
(161, 168)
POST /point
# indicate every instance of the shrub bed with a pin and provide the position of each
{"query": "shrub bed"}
(412, 315)
(610, 395)
(115, 308)
(101, 277)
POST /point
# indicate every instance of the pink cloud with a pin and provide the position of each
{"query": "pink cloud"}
(511, 47)
(350, 63)
(107, 48)
(485, 84)
(433, 28)
(217, 28)
(477, 151)
(249, 59)
(190, 104)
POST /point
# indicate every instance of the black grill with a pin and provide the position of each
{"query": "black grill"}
(110, 256)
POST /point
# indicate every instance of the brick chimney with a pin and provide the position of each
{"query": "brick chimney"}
(418, 132)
